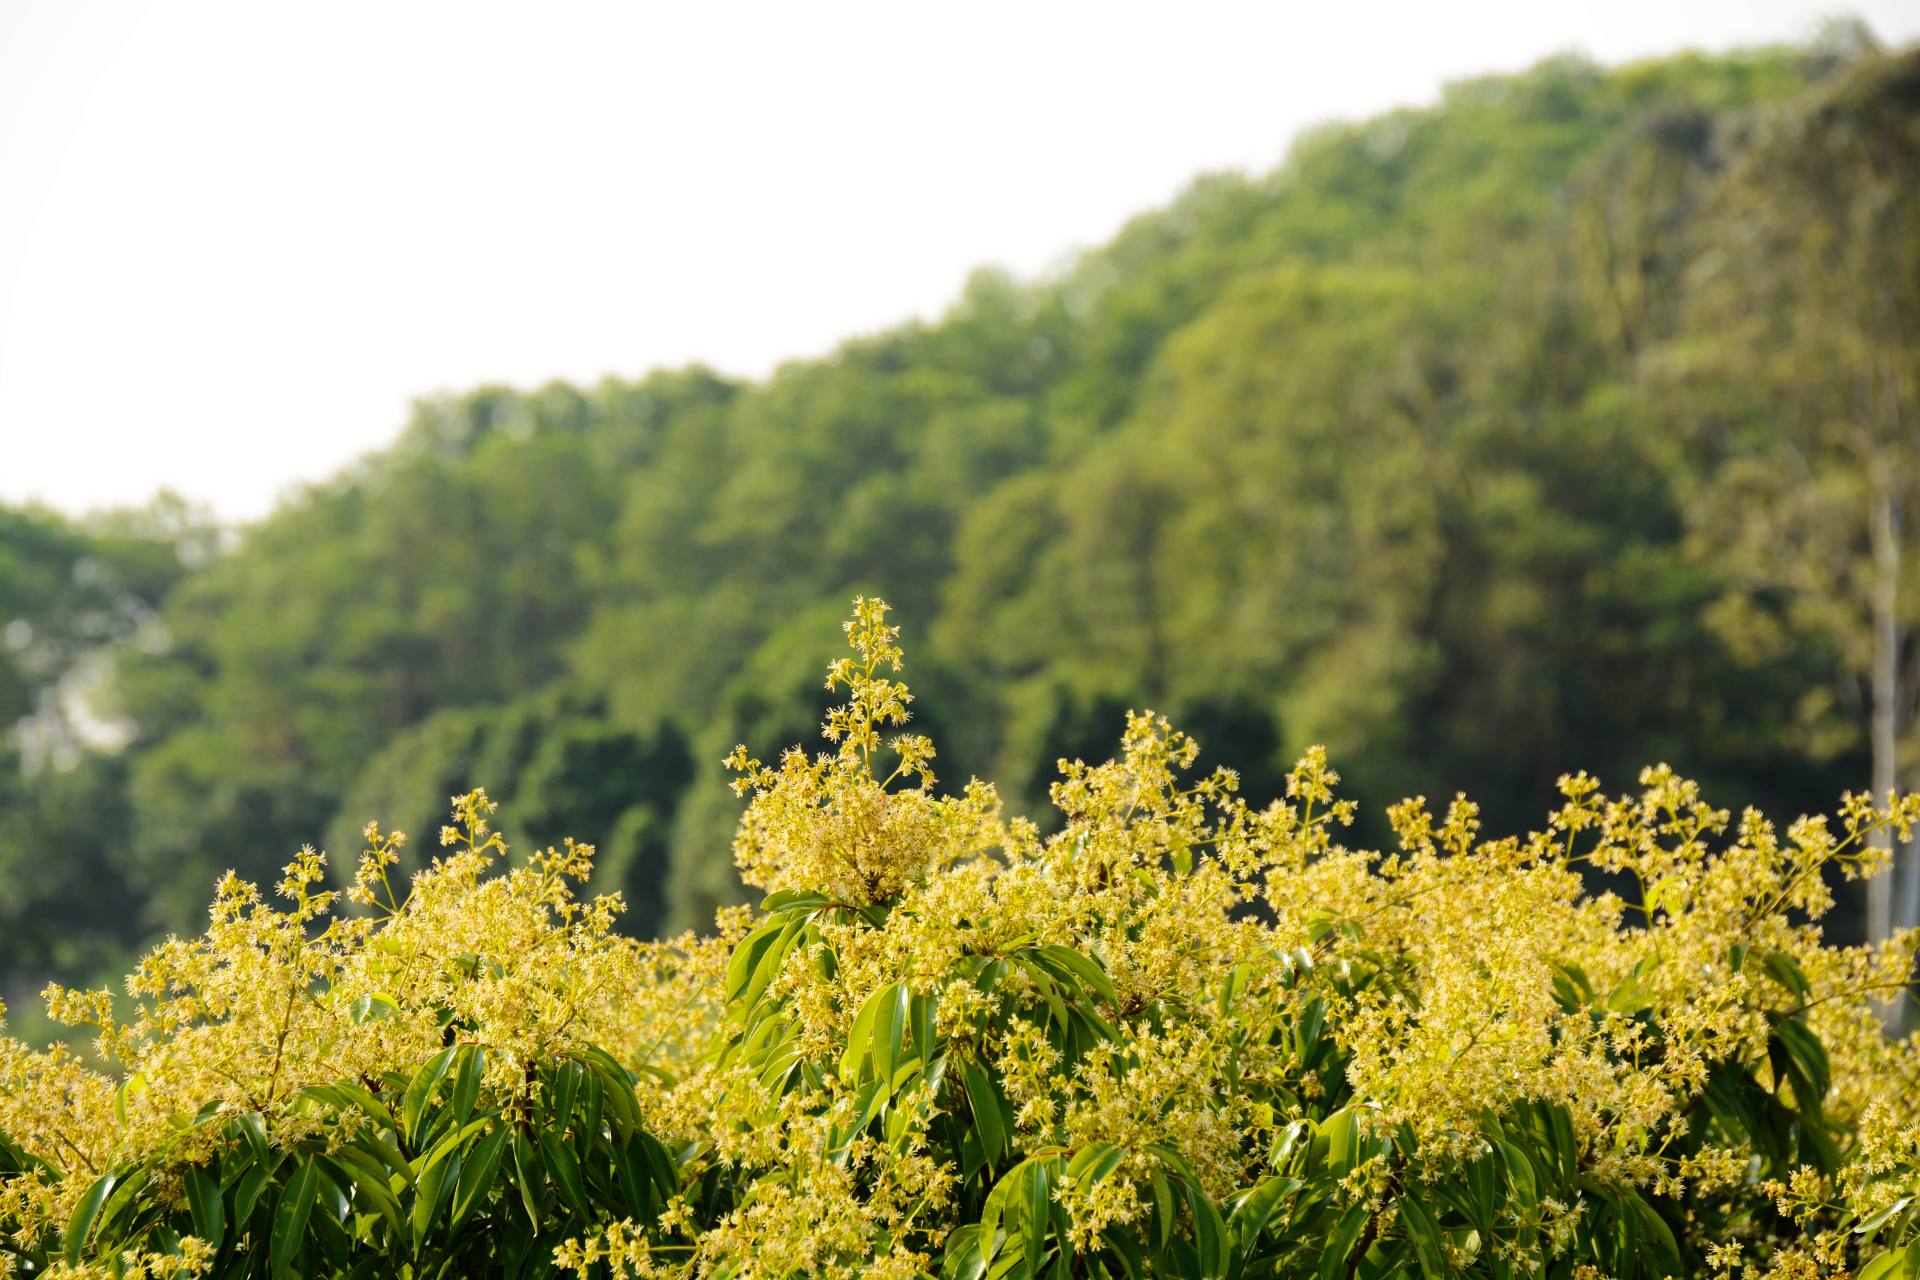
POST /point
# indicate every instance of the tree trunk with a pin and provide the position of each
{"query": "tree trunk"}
(1884, 683)
(1893, 896)
(1900, 1014)
(1906, 901)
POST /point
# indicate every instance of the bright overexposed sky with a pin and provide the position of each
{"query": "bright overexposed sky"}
(237, 237)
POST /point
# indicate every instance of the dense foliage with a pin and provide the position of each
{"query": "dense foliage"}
(1552, 423)
(1180, 1036)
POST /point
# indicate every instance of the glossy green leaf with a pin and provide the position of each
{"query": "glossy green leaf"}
(80, 1221)
(1428, 1246)
(565, 1172)
(420, 1090)
(290, 1215)
(205, 1206)
(1786, 971)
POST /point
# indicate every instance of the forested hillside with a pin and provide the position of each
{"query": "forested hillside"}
(1567, 423)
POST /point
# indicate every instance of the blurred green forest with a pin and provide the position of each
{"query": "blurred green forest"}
(1567, 423)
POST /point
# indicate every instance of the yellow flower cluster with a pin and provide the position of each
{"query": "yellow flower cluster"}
(947, 1038)
(829, 824)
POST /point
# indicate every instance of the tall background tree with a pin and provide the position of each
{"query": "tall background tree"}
(1799, 368)
(1563, 424)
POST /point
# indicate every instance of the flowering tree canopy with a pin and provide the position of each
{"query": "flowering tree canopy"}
(1172, 1035)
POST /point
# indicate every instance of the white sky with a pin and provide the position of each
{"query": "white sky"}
(237, 237)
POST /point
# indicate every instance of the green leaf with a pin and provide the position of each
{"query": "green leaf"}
(1287, 1144)
(1340, 1242)
(1210, 1233)
(1886, 1215)
(348, 1097)
(1786, 971)
(963, 1259)
(889, 1030)
(132, 1085)
(994, 1211)
(794, 899)
(1174, 1161)
(80, 1222)
(771, 961)
(1428, 1247)
(1668, 894)
(565, 1172)
(1091, 975)
(204, 1205)
(636, 1188)
(1306, 1030)
(1251, 1214)
(247, 1193)
(923, 1011)
(864, 1042)
(1482, 1192)
(755, 959)
(563, 1090)
(122, 1203)
(333, 1196)
(1124, 1247)
(448, 1146)
(986, 1110)
(370, 1184)
(1885, 1266)
(1341, 1134)
(1033, 1212)
(1520, 1176)
(666, 1175)
(617, 1082)
(420, 1090)
(1095, 1163)
(985, 1104)
(290, 1215)
(466, 1081)
(253, 1130)
(1810, 1056)
(1566, 1148)
(1629, 998)
(1048, 988)
(526, 1176)
(371, 1007)
(1162, 1210)
(1571, 986)
(428, 1194)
